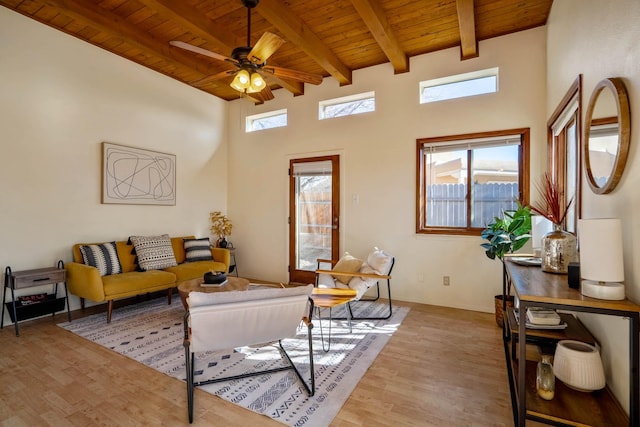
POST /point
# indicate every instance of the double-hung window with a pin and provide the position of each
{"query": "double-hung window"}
(464, 181)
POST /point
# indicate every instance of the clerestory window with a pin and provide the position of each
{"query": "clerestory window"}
(272, 119)
(347, 105)
(459, 86)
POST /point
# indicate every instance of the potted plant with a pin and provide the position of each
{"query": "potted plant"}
(506, 235)
(221, 226)
(509, 233)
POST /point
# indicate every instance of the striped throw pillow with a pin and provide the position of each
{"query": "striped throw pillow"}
(104, 257)
(197, 250)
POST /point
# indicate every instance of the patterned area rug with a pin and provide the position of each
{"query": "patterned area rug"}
(152, 332)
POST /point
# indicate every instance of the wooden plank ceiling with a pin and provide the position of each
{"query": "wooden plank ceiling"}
(326, 37)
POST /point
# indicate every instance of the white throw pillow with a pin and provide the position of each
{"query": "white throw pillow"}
(379, 261)
(361, 285)
(326, 281)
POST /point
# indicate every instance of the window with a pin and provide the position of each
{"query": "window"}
(464, 181)
(459, 86)
(564, 131)
(347, 105)
(272, 119)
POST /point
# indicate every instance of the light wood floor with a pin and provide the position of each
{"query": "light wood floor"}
(443, 367)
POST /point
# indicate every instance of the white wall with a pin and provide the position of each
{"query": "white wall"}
(599, 40)
(378, 157)
(59, 99)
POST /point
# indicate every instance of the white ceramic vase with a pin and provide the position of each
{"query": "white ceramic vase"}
(579, 366)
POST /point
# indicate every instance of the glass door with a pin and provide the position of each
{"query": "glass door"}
(314, 213)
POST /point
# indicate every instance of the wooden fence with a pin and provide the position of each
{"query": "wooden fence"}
(447, 204)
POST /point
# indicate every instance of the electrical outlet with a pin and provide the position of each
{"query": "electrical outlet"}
(445, 280)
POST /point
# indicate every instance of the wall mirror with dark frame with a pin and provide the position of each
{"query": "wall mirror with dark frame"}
(564, 133)
(607, 135)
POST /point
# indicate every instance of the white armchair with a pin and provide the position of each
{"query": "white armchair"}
(226, 320)
(353, 273)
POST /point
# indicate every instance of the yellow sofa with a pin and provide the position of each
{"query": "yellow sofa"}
(86, 282)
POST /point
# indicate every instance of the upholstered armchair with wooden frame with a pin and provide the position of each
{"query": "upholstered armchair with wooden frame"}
(350, 272)
(226, 320)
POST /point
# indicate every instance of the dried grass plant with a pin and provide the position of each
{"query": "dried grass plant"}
(550, 204)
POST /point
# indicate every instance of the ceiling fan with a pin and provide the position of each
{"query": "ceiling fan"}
(252, 70)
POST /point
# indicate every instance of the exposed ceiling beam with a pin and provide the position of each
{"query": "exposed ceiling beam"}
(467, 24)
(296, 88)
(376, 20)
(112, 24)
(193, 21)
(299, 34)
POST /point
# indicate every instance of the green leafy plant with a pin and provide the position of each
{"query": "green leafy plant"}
(507, 234)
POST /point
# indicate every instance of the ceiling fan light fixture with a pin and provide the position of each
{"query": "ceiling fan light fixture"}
(257, 82)
(248, 81)
(241, 81)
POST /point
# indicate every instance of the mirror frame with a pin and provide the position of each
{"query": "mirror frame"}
(617, 87)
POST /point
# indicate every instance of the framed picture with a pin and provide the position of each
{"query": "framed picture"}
(136, 176)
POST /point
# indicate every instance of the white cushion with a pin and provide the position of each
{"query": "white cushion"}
(367, 269)
(326, 281)
(361, 286)
(379, 261)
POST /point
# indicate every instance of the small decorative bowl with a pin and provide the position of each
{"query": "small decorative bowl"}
(579, 366)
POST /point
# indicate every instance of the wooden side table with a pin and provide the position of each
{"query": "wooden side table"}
(329, 298)
(233, 268)
(48, 304)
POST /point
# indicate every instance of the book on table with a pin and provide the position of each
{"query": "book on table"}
(214, 285)
(542, 316)
(530, 325)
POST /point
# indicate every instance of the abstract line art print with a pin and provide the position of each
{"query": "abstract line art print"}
(136, 176)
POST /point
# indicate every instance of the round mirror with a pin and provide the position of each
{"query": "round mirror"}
(607, 134)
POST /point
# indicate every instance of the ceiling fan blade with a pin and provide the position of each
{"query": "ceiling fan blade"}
(266, 93)
(201, 51)
(215, 77)
(285, 73)
(264, 48)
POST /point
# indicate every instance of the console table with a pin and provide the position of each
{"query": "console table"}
(533, 287)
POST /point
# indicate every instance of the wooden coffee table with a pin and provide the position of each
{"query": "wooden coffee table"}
(188, 286)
